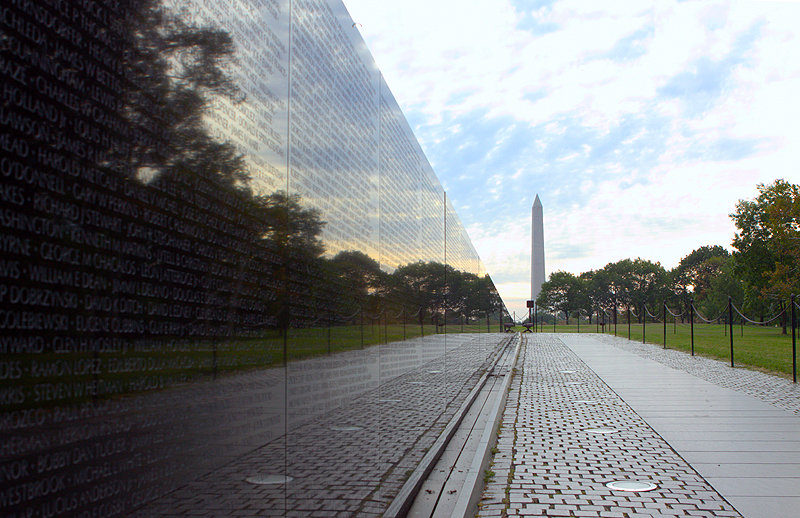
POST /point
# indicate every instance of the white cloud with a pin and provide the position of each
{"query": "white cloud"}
(640, 126)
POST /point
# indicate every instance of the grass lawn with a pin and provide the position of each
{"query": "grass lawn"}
(758, 347)
(49, 379)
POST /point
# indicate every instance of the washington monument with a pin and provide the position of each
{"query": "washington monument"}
(537, 248)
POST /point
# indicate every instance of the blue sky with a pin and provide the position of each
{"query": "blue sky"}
(639, 124)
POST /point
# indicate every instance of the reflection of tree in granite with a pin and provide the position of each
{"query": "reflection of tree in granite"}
(424, 285)
(436, 288)
(293, 234)
(292, 230)
(360, 284)
(359, 272)
(176, 69)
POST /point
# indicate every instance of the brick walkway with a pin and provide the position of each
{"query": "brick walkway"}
(351, 461)
(553, 460)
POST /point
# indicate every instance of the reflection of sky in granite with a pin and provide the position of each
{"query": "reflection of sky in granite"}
(327, 136)
(196, 343)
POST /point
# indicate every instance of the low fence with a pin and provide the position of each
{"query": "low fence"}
(729, 317)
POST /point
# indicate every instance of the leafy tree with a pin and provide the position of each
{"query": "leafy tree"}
(593, 293)
(767, 243)
(647, 283)
(563, 291)
(619, 284)
(627, 283)
(693, 276)
(721, 285)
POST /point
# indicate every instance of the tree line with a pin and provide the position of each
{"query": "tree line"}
(759, 276)
(252, 258)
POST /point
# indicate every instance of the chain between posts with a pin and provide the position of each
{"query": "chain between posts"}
(692, 310)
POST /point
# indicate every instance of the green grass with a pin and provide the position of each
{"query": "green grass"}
(50, 379)
(757, 347)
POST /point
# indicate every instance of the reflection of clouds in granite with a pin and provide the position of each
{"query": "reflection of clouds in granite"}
(222, 261)
(353, 458)
(257, 123)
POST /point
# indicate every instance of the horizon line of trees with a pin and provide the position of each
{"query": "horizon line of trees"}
(425, 290)
(760, 276)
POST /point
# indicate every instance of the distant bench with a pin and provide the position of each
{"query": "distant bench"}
(527, 326)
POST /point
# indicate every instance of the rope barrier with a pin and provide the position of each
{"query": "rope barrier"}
(676, 315)
(353, 315)
(773, 319)
(648, 311)
(317, 320)
(265, 322)
(713, 319)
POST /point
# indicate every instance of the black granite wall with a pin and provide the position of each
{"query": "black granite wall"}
(221, 247)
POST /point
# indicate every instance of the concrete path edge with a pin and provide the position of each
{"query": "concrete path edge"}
(467, 504)
(405, 497)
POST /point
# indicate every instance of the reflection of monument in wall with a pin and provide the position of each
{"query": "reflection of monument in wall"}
(537, 248)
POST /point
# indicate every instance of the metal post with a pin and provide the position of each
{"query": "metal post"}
(644, 321)
(794, 344)
(730, 325)
(691, 322)
(615, 317)
(213, 361)
(664, 318)
(554, 322)
(629, 320)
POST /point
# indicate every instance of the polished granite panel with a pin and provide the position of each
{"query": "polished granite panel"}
(218, 236)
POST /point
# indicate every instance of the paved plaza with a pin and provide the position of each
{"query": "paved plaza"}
(585, 410)
(351, 460)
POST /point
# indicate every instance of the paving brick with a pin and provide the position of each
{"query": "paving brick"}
(345, 472)
(561, 465)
